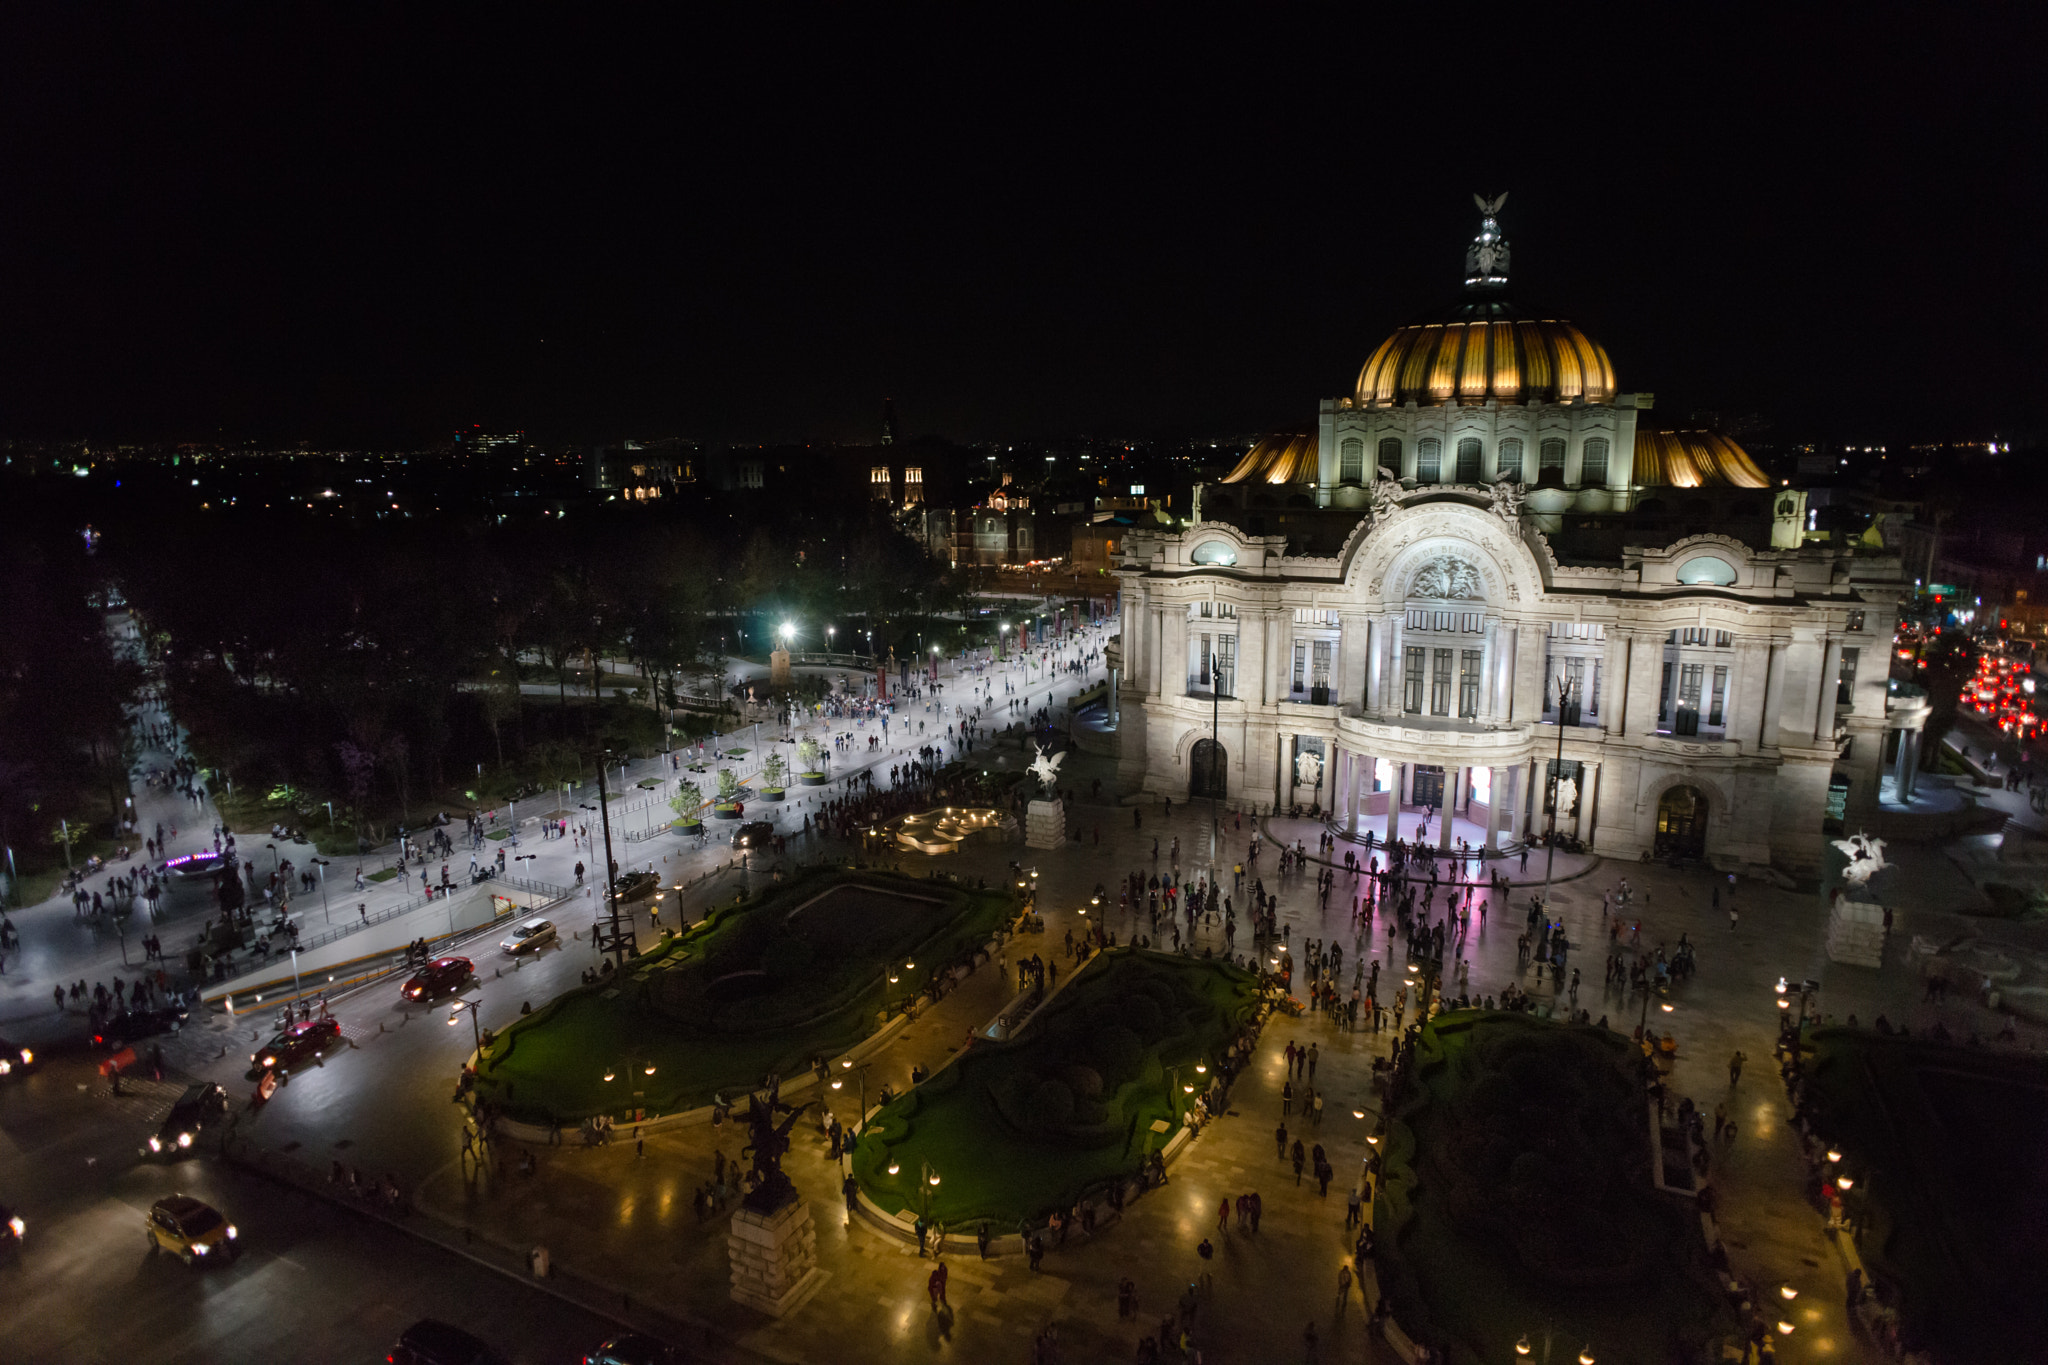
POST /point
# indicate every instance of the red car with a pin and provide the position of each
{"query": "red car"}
(309, 1038)
(439, 977)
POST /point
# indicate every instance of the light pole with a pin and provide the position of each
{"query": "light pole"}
(457, 1006)
(1565, 693)
(326, 912)
(860, 1071)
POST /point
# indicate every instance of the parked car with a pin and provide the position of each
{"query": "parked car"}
(754, 834)
(632, 1348)
(293, 1044)
(530, 937)
(15, 1061)
(431, 1342)
(124, 1028)
(188, 1228)
(199, 1108)
(442, 975)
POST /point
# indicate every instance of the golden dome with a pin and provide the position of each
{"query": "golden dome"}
(1284, 457)
(1487, 348)
(1694, 459)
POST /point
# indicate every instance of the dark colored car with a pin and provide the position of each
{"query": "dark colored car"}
(754, 834)
(633, 885)
(290, 1046)
(124, 1028)
(442, 975)
(431, 1342)
(199, 1108)
(631, 1348)
(15, 1061)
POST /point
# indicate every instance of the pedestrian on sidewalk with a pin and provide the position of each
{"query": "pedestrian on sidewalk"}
(1735, 1069)
(936, 1287)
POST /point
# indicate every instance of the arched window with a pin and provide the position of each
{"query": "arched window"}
(1593, 463)
(1429, 460)
(1507, 459)
(1351, 460)
(1390, 454)
(1468, 460)
(1550, 461)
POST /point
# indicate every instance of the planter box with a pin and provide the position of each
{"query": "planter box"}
(771, 793)
(687, 826)
(813, 779)
(725, 812)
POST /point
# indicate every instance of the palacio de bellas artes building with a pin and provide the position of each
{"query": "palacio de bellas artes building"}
(1488, 547)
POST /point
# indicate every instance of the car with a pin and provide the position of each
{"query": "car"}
(634, 885)
(530, 937)
(15, 1061)
(198, 1108)
(202, 864)
(432, 1342)
(295, 1042)
(442, 975)
(631, 1348)
(188, 1228)
(124, 1028)
(754, 834)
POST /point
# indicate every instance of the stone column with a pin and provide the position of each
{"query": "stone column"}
(1399, 771)
(1774, 697)
(1487, 713)
(1454, 787)
(1912, 762)
(1529, 803)
(1497, 786)
(1589, 804)
(1645, 681)
(1830, 684)
(1354, 635)
(1375, 664)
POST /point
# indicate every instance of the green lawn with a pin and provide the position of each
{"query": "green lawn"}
(1517, 1198)
(800, 970)
(1945, 1143)
(1019, 1128)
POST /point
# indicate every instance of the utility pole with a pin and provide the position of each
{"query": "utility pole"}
(616, 940)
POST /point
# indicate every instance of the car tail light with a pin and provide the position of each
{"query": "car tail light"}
(184, 1139)
(232, 1233)
(20, 1228)
(156, 1144)
(28, 1058)
(5, 1066)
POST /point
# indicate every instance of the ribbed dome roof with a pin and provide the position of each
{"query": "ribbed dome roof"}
(1284, 457)
(1485, 347)
(1694, 459)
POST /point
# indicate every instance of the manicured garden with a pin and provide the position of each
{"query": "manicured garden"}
(1517, 1198)
(804, 969)
(1019, 1128)
(1943, 1144)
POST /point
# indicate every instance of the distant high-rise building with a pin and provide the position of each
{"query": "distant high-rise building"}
(888, 421)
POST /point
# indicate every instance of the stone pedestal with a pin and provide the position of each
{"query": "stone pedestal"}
(778, 668)
(1856, 933)
(1045, 825)
(774, 1258)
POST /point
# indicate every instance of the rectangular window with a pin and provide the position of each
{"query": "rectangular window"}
(1443, 619)
(1723, 639)
(1574, 671)
(1300, 664)
(1719, 704)
(1411, 698)
(1468, 683)
(1429, 460)
(1550, 461)
(1205, 610)
(1845, 689)
(1687, 719)
(1319, 663)
(1351, 465)
(1664, 696)
(1202, 662)
(1593, 462)
(1440, 682)
(1468, 460)
(1855, 623)
(1508, 460)
(1226, 666)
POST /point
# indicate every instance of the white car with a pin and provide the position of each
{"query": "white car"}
(530, 937)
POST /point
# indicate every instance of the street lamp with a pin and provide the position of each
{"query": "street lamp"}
(457, 1007)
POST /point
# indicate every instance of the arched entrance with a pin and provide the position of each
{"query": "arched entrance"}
(1208, 769)
(1682, 823)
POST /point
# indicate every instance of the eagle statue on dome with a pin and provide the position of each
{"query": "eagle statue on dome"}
(1490, 207)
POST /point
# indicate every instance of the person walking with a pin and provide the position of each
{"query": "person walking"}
(935, 1285)
(1223, 1215)
(1279, 1137)
(1286, 1099)
(1735, 1069)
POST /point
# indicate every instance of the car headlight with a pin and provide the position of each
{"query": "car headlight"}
(184, 1139)
(156, 1144)
(28, 1057)
(201, 1248)
(20, 1228)
(5, 1066)
(232, 1233)
(270, 1061)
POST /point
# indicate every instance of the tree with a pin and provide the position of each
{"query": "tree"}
(687, 801)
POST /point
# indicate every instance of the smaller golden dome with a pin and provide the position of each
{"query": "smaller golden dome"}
(1694, 459)
(1284, 457)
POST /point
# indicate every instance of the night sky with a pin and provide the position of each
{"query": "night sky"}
(274, 226)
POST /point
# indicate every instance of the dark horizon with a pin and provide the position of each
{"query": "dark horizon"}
(376, 230)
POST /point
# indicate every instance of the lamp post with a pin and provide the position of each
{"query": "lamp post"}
(457, 1006)
(1565, 694)
(326, 912)
(860, 1071)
